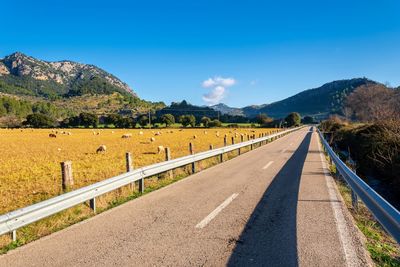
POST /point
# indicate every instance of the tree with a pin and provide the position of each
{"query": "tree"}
(168, 119)
(373, 103)
(88, 119)
(308, 120)
(126, 122)
(214, 123)
(293, 119)
(114, 119)
(187, 120)
(143, 120)
(205, 121)
(38, 120)
(263, 119)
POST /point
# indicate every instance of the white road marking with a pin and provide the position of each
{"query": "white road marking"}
(267, 165)
(344, 236)
(215, 212)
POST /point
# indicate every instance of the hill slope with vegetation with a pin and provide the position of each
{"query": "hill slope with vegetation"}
(317, 102)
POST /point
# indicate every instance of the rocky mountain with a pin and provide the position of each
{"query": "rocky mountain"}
(25, 75)
(224, 109)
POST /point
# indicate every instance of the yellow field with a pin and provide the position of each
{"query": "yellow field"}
(30, 160)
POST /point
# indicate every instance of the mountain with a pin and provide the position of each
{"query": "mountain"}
(224, 109)
(24, 75)
(318, 102)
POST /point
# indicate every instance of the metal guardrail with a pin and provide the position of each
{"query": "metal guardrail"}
(382, 210)
(11, 221)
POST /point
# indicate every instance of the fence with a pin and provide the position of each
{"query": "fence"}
(11, 221)
(385, 213)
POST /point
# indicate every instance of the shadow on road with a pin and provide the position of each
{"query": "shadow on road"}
(269, 237)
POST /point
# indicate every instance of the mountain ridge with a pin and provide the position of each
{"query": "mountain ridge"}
(57, 78)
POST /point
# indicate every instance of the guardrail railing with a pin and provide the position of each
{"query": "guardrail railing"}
(382, 210)
(14, 220)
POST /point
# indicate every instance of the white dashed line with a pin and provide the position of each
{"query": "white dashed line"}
(215, 212)
(267, 165)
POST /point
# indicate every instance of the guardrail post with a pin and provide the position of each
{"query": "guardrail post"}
(168, 157)
(354, 200)
(129, 167)
(92, 204)
(191, 150)
(66, 175)
(233, 140)
(14, 235)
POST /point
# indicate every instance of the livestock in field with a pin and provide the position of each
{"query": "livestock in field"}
(127, 135)
(52, 135)
(152, 139)
(101, 149)
(160, 149)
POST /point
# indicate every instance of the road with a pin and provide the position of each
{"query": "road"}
(274, 206)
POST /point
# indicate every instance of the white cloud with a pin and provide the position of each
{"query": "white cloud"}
(219, 81)
(218, 91)
(215, 96)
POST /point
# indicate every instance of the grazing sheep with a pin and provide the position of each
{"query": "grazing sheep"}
(98, 133)
(152, 139)
(194, 136)
(205, 132)
(59, 149)
(141, 133)
(160, 149)
(112, 132)
(128, 135)
(101, 148)
(68, 133)
(157, 133)
(52, 135)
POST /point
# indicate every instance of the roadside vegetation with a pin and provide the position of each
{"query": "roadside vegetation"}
(368, 139)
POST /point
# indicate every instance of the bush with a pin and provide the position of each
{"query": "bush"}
(214, 123)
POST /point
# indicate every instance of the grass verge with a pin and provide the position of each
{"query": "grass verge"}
(383, 249)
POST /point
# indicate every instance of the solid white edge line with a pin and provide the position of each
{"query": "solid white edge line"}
(343, 231)
(215, 212)
(267, 165)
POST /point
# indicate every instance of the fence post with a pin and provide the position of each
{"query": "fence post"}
(191, 150)
(241, 138)
(225, 141)
(66, 174)
(168, 157)
(129, 167)
(233, 140)
(211, 147)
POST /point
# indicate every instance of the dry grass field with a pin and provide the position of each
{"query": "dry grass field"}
(30, 160)
(30, 168)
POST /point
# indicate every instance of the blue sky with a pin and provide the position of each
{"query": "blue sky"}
(250, 52)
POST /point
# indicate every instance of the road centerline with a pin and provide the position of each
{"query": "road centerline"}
(215, 212)
(267, 165)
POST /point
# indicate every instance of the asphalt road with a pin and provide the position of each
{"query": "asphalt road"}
(274, 206)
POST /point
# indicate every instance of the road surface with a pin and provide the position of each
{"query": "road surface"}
(274, 206)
